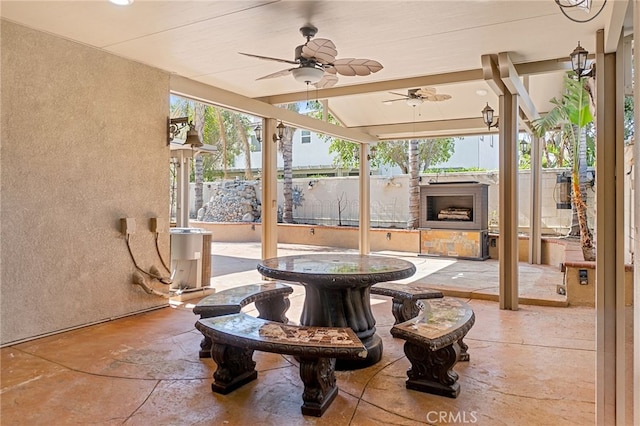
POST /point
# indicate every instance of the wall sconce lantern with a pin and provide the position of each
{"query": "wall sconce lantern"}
(280, 134)
(579, 60)
(487, 117)
(525, 147)
(372, 152)
(258, 132)
(176, 125)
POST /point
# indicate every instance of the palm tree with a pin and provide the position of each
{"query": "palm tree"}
(285, 145)
(571, 113)
(198, 160)
(414, 186)
(241, 124)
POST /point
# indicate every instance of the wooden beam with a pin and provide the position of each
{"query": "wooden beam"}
(543, 67)
(269, 183)
(615, 25)
(526, 68)
(364, 198)
(379, 86)
(511, 80)
(215, 96)
(611, 373)
(491, 74)
(508, 203)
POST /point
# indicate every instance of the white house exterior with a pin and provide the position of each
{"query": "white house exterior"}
(311, 156)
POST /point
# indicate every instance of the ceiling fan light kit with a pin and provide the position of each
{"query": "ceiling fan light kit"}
(317, 64)
(309, 75)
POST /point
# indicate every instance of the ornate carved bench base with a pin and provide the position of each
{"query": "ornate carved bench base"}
(431, 371)
(235, 337)
(318, 376)
(433, 345)
(271, 300)
(464, 355)
(235, 368)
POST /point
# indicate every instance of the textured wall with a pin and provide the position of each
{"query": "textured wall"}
(92, 127)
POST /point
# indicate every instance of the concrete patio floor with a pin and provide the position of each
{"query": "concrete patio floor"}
(454, 277)
(534, 366)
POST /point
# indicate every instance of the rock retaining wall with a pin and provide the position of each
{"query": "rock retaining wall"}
(232, 201)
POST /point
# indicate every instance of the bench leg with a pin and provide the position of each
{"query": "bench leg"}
(464, 355)
(205, 347)
(431, 371)
(404, 309)
(235, 368)
(273, 309)
(318, 376)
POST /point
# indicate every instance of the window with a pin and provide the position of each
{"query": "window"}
(305, 136)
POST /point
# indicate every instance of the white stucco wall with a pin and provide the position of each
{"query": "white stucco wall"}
(390, 199)
(83, 144)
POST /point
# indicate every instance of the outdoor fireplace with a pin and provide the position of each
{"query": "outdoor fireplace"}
(455, 205)
(454, 220)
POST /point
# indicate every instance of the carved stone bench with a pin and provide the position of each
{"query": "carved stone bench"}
(271, 300)
(236, 336)
(404, 298)
(432, 345)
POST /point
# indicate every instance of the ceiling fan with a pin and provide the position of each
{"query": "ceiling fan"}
(415, 97)
(316, 62)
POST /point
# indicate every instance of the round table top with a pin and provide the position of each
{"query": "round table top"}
(336, 269)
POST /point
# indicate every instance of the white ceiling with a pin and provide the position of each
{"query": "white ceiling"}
(436, 40)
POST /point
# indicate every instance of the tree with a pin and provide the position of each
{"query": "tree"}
(225, 130)
(285, 146)
(396, 153)
(571, 114)
(414, 186)
(198, 158)
(411, 156)
(241, 125)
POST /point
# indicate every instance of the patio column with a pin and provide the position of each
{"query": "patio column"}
(635, 201)
(269, 190)
(183, 160)
(365, 200)
(610, 308)
(508, 208)
(535, 209)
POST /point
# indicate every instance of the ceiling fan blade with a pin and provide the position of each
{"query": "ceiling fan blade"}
(394, 100)
(425, 91)
(437, 97)
(399, 94)
(276, 74)
(353, 66)
(327, 80)
(320, 49)
(267, 58)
